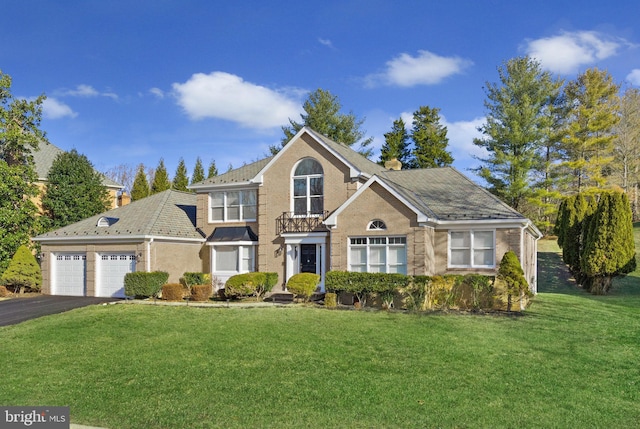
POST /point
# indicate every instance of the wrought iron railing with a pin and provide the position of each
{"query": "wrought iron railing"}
(309, 222)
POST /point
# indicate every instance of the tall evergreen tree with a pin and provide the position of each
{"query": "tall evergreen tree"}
(574, 214)
(161, 180)
(516, 127)
(180, 179)
(593, 114)
(429, 139)
(198, 172)
(396, 144)
(323, 115)
(140, 188)
(74, 191)
(609, 248)
(213, 170)
(20, 134)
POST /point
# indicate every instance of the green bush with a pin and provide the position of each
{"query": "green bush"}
(364, 285)
(201, 292)
(330, 300)
(271, 279)
(172, 292)
(510, 272)
(23, 271)
(191, 278)
(243, 285)
(303, 284)
(144, 285)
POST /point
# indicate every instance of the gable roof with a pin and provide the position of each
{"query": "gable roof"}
(45, 155)
(242, 175)
(170, 214)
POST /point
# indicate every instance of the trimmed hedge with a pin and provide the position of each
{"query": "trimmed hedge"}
(172, 292)
(23, 271)
(250, 284)
(201, 292)
(303, 284)
(191, 278)
(366, 285)
(144, 285)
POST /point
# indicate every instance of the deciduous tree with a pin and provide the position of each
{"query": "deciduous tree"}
(626, 147)
(74, 191)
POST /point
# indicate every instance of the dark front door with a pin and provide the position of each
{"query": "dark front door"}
(308, 258)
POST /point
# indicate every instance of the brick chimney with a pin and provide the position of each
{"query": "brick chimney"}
(393, 164)
(123, 199)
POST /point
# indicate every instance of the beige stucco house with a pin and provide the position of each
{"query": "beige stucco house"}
(315, 206)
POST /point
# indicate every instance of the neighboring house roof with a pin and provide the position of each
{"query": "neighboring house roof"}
(47, 153)
(243, 174)
(169, 214)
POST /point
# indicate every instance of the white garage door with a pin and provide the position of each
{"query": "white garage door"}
(110, 271)
(68, 274)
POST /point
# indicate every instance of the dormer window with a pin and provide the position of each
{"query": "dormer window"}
(105, 221)
(308, 188)
(377, 225)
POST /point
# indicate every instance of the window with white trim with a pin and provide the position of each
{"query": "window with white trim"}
(376, 225)
(308, 188)
(472, 249)
(378, 254)
(226, 206)
(229, 258)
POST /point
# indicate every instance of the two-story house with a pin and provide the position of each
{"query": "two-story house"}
(315, 206)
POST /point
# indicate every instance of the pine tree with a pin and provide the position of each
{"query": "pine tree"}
(181, 179)
(588, 141)
(396, 145)
(609, 248)
(23, 271)
(213, 170)
(429, 139)
(161, 180)
(140, 188)
(74, 191)
(198, 172)
(323, 115)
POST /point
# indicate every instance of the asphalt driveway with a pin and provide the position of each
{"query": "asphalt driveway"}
(17, 310)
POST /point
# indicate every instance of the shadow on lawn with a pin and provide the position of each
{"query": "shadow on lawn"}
(554, 276)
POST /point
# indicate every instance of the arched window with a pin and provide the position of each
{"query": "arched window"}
(376, 225)
(308, 188)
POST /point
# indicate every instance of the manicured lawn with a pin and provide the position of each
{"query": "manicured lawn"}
(572, 360)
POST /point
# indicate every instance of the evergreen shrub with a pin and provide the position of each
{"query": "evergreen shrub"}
(244, 285)
(330, 300)
(144, 285)
(201, 292)
(303, 284)
(23, 271)
(172, 292)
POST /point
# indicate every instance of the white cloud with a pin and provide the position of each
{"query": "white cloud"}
(54, 109)
(567, 52)
(157, 92)
(87, 91)
(461, 135)
(226, 96)
(325, 42)
(634, 77)
(426, 68)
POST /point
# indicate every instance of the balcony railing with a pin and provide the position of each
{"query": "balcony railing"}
(309, 222)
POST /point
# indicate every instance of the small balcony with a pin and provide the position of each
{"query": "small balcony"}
(310, 222)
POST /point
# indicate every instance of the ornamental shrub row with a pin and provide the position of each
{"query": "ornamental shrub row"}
(418, 293)
(144, 285)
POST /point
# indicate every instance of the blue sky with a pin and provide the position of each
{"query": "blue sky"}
(131, 82)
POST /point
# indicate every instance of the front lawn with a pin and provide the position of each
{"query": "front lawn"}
(572, 360)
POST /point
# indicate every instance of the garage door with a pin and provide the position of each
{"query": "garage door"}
(69, 274)
(110, 271)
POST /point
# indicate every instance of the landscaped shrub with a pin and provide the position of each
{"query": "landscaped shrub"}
(303, 284)
(144, 285)
(330, 300)
(479, 288)
(23, 271)
(172, 292)
(365, 285)
(201, 292)
(441, 291)
(243, 285)
(271, 279)
(418, 293)
(510, 272)
(3, 292)
(191, 278)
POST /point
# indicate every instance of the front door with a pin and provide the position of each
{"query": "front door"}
(308, 258)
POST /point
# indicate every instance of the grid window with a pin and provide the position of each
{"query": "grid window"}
(378, 254)
(472, 249)
(226, 206)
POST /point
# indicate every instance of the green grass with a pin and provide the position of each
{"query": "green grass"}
(572, 360)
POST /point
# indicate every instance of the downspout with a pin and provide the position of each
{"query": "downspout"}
(149, 254)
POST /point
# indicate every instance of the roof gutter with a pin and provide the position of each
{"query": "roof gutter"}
(121, 239)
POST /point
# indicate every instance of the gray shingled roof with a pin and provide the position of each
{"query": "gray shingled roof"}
(46, 154)
(167, 214)
(446, 194)
(238, 175)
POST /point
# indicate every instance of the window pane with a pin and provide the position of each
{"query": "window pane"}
(308, 166)
(249, 198)
(217, 213)
(300, 206)
(358, 255)
(460, 239)
(226, 258)
(233, 213)
(317, 204)
(315, 183)
(483, 240)
(483, 257)
(233, 198)
(217, 199)
(397, 256)
(247, 258)
(299, 187)
(249, 212)
(460, 257)
(377, 255)
(378, 240)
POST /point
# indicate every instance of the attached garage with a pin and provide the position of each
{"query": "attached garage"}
(69, 274)
(110, 271)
